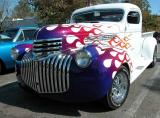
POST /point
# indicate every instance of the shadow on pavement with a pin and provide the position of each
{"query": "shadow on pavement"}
(155, 87)
(8, 71)
(12, 94)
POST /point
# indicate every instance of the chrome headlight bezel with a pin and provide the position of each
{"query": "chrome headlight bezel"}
(14, 53)
(83, 58)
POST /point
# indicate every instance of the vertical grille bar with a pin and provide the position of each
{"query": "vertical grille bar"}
(64, 73)
(55, 73)
(68, 67)
(26, 70)
(44, 76)
(37, 76)
(60, 73)
(41, 77)
(30, 75)
(23, 70)
(52, 72)
(34, 76)
(48, 77)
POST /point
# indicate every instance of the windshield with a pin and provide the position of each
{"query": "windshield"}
(8, 35)
(110, 15)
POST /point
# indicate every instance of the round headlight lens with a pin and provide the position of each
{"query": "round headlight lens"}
(14, 53)
(83, 58)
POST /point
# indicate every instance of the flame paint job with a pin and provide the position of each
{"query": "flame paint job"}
(74, 36)
(106, 59)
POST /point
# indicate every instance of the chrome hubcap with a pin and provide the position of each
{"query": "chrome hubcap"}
(119, 88)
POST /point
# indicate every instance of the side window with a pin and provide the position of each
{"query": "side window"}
(133, 17)
(21, 37)
(29, 34)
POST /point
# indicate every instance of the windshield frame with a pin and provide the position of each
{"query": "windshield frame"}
(93, 11)
(11, 37)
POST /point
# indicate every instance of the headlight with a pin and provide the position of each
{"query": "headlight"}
(83, 58)
(14, 53)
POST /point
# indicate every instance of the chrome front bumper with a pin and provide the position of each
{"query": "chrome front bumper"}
(50, 75)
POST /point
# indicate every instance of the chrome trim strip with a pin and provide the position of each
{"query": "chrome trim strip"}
(47, 44)
(41, 78)
(36, 77)
(55, 73)
(46, 49)
(59, 73)
(29, 72)
(51, 39)
(64, 72)
(68, 67)
(27, 68)
(44, 72)
(48, 77)
(52, 72)
(24, 70)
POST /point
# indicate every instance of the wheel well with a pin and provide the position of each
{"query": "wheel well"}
(3, 65)
(127, 66)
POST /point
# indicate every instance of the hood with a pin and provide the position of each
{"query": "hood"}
(73, 35)
(4, 43)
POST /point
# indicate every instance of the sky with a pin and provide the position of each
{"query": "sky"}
(155, 5)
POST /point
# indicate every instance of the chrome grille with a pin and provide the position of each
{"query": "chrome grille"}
(47, 76)
(43, 48)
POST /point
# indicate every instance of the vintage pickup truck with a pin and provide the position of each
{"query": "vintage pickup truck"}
(95, 57)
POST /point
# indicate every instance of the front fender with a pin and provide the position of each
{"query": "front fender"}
(110, 60)
(22, 49)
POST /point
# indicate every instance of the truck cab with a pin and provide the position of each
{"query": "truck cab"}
(124, 20)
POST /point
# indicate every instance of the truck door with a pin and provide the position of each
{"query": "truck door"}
(133, 33)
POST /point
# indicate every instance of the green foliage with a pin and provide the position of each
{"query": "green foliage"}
(4, 13)
(59, 11)
(56, 11)
(22, 10)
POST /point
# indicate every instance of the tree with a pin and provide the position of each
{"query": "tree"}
(4, 13)
(22, 10)
(57, 11)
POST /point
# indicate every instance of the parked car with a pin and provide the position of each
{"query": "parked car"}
(9, 39)
(97, 56)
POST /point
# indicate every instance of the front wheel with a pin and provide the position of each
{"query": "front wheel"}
(117, 95)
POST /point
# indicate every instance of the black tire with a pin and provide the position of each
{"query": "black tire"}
(109, 100)
(154, 59)
(1, 68)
